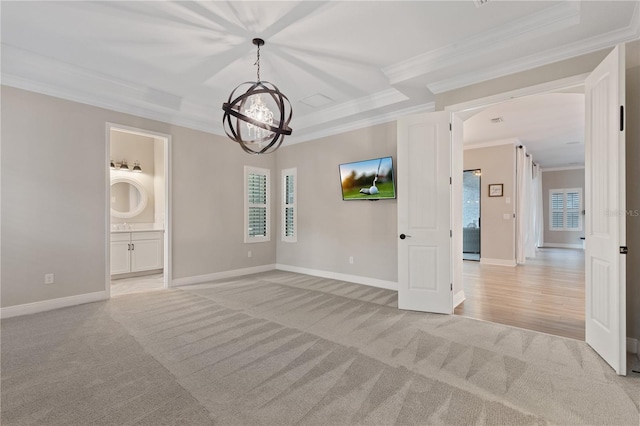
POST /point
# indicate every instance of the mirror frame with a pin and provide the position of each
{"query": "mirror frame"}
(144, 198)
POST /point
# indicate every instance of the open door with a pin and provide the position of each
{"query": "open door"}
(424, 213)
(605, 275)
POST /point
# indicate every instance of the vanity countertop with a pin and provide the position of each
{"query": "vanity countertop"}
(121, 231)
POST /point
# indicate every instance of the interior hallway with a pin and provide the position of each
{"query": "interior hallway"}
(546, 294)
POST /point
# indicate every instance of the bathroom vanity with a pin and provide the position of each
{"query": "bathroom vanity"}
(136, 251)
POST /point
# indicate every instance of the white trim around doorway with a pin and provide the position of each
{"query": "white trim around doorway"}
(166, 139)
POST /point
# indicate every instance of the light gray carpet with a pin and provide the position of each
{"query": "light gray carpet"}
(280, 348)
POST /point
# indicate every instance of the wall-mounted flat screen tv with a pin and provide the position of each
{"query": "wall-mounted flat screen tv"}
(368, 180)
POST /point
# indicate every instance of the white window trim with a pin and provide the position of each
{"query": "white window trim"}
(564, 191)
(256, 239)
(290, 172)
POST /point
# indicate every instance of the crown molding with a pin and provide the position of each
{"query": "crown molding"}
(545, 22)
(32, 72)
(499, 142)
(355, 125)
(29, 71)
(582, 47)
(561, 168)
(357, 106)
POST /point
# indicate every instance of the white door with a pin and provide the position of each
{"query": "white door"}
(605, 283)
(424, 213)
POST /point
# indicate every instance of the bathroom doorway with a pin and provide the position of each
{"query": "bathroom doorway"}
(138, 217)
(471, 214)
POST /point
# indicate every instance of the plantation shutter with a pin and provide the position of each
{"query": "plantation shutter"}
(565, 209)
(557, 210)
(289, 205)
(257, 207)
(573, 210)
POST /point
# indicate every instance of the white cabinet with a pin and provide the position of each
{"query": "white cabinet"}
(120, 253)
(136, 251)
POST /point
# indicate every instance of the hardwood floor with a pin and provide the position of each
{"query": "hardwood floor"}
(546, 294)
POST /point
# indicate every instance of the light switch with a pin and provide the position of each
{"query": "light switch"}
(507, 200)
(506, 216)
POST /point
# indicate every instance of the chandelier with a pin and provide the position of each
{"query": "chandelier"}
(257, 119)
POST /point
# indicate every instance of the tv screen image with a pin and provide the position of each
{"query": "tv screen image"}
(368, 179)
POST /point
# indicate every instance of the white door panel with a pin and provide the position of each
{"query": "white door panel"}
(605, 280)
(424, 213)
(146, 255)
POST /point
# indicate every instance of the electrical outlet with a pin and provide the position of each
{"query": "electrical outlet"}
(48, 279)
(249, 254)
(351, 260)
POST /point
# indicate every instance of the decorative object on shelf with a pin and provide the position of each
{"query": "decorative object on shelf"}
(112, 165)
(259, 118)
(136, 167)
(124, 166)
(495, 190)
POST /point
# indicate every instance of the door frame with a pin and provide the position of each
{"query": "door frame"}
(167, 254)
(463, 109)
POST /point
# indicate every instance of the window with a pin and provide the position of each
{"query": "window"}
(257, 198)
(289, 209)
(565, 209)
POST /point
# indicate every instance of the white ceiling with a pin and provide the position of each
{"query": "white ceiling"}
(551, 127)
(370, 62)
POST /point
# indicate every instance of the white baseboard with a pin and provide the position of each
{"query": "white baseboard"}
(497, 262)
(48, 305)
(373, 282)
(199, 279)
(632, 345)
(559, 245)
(458, 298)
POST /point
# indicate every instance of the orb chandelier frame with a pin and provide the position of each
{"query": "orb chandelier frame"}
(248, 121)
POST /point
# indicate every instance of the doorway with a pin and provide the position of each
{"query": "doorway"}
(604, 90)
(138, 216)
(495, 290)
(471, 185)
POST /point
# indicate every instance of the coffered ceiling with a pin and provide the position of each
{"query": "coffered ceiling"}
(342, 64)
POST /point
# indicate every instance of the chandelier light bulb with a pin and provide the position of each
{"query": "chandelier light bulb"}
(259, 112)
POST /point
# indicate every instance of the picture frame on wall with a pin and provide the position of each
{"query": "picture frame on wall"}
(495, 190)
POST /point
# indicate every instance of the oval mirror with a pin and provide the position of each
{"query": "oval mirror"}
(128, 198)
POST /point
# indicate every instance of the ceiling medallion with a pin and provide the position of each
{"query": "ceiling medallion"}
(258, 119)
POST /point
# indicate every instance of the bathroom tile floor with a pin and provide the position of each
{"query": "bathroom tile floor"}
(142, 284)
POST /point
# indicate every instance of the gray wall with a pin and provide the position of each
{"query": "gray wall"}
(496, 233)
(54, 199)
(561, 179)
(330, 229)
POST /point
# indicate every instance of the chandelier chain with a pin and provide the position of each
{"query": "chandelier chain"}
(258, 62)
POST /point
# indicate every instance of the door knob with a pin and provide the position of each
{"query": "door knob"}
(403, 236)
